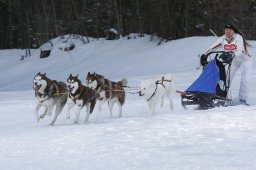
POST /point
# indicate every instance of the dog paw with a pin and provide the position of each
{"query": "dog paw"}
(37, 118)
(41, 116)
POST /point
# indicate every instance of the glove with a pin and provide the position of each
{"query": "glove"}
(230, 57)
(227, 56)
(203, 59)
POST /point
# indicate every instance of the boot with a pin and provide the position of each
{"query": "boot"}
(243, 102)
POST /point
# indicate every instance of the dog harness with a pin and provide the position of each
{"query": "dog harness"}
(158, 82)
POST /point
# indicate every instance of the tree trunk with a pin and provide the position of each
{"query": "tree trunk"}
(54, 18)
(118, 19)
(139, 19)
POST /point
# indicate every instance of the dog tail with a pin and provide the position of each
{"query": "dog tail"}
(123, 82)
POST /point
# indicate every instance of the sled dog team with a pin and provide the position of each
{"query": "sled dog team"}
(56, 94)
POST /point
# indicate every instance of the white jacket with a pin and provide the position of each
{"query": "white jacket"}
(236, 45)
(241, 61)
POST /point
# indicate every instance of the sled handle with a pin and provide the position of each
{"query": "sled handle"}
(181, 92)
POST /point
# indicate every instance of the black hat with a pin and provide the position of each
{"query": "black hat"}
(230, 26)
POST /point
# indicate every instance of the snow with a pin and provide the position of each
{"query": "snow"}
(219, 138)
(113, 30)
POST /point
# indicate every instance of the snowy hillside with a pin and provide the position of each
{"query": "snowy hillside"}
(114, 59)
(219, 138)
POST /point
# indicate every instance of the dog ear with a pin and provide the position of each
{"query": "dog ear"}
(44, 74)
(77, 75)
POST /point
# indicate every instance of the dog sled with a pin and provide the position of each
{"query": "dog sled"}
(211, 88)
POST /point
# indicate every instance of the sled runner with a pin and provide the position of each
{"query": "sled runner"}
(212, 86)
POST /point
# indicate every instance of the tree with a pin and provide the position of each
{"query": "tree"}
(30, 23)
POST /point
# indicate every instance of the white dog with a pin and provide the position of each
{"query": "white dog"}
(154, 90)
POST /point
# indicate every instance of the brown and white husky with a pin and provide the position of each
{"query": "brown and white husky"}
(107, 90)
(49, 93)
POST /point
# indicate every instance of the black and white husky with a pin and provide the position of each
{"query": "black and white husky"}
(49, 93)
(81, 96)
(107, 90)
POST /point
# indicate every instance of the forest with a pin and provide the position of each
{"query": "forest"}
(27, 24)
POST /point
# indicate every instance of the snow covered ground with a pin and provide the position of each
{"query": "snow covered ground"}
(220, 138)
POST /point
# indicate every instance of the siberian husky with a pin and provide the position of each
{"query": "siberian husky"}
(49, 93)
(154, 90)
(81, 96)
(112, 92)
